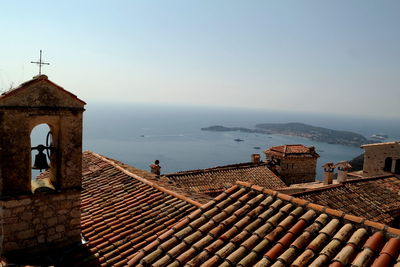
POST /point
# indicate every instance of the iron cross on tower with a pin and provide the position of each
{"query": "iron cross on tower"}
(40, 63)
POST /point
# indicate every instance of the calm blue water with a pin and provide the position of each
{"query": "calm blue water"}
(138, 134)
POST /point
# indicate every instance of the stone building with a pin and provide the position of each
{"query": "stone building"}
(39, 220)
(294, 163)
(381, 159)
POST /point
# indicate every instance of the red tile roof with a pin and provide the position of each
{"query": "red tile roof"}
(127, 219)
(297, 150)
(376, 199)
(122, 213)
(253, 226)
(164, 182)
(215, 180)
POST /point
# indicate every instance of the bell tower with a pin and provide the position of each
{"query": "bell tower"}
(33, 219)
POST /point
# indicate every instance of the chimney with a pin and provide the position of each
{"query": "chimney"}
(343, 168)
(155, 168)
(328, 172)
(255, 158)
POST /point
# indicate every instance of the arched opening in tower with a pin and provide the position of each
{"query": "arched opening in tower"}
(40, 157)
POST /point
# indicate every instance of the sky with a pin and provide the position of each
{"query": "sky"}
(333, 57)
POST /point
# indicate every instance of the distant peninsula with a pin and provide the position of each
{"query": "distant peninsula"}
(314, 133)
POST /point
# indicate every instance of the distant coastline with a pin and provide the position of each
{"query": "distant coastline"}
(319, 134)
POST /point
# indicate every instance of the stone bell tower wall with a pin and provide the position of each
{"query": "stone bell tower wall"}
(40, 221)
(15, 153)
(50, 217)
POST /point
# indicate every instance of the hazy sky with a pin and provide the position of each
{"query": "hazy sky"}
(315, 56)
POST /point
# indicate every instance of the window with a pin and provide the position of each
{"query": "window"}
(397, 167)
(388, 165)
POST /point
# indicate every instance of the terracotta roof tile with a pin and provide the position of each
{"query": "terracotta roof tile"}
(122, 213)
(128, 220)
(297, 150)
(272, 230)
(215, 180)
(376, 199)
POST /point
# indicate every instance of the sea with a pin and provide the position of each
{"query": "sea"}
(138, 134)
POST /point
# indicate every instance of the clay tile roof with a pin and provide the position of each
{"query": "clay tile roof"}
(215, 180)
(165, 183)
(376, 199)
(248, 225)
(121, 213)
(297, 150)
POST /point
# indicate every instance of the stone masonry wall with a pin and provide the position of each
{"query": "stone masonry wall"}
(298, 170)
(39, 220)
(375, 155)
(15, 159)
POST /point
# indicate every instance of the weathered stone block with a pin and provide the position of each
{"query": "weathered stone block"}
(11, 220)
(27, 216)
(12, 203)
(39, 227)
(48, 214)
(54, 237)
(41, 239)
(73, 232)
(15, 227)
(51, 231)
(75, 213)
(52, 221)
(5, 213)
(60, 228)
(63, 211)
(65, 205)
(18, 210)
(26, 234)
(59, 197)
(75, 221)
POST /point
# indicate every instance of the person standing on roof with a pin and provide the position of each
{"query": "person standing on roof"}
(155, 167)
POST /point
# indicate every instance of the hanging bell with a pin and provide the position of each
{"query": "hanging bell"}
(40, 159)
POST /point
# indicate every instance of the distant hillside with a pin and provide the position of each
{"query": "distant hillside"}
(300, 129)
(315, 133)
(357, 163)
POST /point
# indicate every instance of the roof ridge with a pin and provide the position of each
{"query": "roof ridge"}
(143, 180)
(322, 188)
(40, 78)
(349, 181)
(217, 168)
(324, 209)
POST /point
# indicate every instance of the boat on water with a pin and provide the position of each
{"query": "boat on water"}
(379, 136)
(238, 140)
(256, 147)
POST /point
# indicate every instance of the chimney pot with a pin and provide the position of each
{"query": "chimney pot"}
(329, 169)
(343, 168)
(255, 158)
